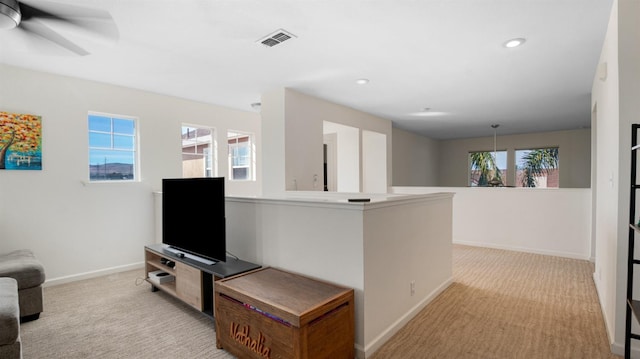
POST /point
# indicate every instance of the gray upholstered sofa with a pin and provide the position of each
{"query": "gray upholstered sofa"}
(10, 345)
(21, 278)
(23, 266)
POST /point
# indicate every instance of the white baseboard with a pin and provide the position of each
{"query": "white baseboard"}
(618, 349)
(525, 250)
(94, 274)
(381, 339)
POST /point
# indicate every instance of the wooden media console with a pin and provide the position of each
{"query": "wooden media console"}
(194, 280)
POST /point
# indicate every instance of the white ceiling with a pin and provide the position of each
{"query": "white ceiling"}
(443, 54)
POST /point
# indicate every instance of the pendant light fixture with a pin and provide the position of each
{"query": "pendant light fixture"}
(495, 181)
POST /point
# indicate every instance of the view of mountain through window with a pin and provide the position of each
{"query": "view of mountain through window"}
(112, 148)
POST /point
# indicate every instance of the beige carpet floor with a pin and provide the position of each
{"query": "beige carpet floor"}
(502, 305)
(117, 316)
(508, 305)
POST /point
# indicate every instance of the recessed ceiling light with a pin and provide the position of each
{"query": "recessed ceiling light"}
(362, 81)
(514, 42)
(426, 112)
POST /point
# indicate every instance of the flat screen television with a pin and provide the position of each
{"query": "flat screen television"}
(193, 216)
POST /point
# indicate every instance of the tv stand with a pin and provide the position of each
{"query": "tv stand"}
(194, 280)
(180, 254)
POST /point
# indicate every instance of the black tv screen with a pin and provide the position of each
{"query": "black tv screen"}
(193, 218)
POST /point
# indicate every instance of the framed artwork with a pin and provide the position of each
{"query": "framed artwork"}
(20, 141)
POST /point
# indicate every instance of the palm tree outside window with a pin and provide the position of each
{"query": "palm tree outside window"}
(538, 168)
(486, 165)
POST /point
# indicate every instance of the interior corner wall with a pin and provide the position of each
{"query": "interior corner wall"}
(374, 171)
(415, 159)
(347, 156)
(574, 153)
(273, 141)
(303, 137)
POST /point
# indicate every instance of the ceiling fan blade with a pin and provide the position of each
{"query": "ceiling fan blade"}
(30, 12)
(58, 11)
(94, 20)
(37, 28)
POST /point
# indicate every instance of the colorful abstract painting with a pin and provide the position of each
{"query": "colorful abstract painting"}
(20, 141)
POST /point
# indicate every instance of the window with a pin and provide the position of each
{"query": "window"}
(485, 166)
(537, 167)
(198, 152)
(112, 147)
(241, 156)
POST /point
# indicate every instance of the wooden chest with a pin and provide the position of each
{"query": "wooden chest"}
(271, 313)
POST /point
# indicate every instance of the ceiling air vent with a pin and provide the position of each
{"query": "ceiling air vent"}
(276, 38)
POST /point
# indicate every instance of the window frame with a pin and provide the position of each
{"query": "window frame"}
(210, 151)
(499, 158)
(134, 148)
(516, 167)
(251, 166)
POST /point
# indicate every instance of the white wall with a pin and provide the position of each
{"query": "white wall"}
(605, 190)
(616, 106)
(273, 151)
(535, 220)
(415, 159)
(302, 126)
(574, 156)
(420, 161)
(347, 155)
(78, 229)
(629, 110)
(374, 162)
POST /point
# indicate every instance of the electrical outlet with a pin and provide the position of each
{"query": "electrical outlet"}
(413, 287)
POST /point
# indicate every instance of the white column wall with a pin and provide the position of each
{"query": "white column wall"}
(404, 244)
(375, 248)
(273, 150)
